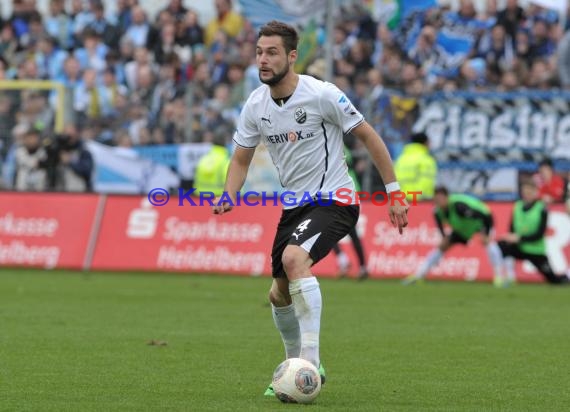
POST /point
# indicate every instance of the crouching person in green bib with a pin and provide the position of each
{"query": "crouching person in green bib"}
(466, 216)
(526, 240)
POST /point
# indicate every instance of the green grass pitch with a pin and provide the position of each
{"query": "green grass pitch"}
(79, 342)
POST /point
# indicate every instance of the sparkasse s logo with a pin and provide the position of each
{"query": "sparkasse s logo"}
(143, 222)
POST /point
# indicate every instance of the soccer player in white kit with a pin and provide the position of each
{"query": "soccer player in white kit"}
(302, 121)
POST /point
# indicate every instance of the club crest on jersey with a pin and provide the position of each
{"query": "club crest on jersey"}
(300, 115)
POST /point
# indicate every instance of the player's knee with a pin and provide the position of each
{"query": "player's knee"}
(294, 260)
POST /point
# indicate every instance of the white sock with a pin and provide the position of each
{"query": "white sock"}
(288, 325)
(496, 257)
(306, 296)
(342, 261)
(431, 260)
(510, 268)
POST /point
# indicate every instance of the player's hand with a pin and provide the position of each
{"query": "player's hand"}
(511, 238)
(223, 207)
(398, 212)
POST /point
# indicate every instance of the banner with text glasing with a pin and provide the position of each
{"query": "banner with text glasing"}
(482, 140)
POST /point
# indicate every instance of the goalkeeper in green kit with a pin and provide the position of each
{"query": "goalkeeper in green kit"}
(526, 240)
(466, 215)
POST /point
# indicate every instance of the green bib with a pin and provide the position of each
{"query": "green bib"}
(466, 227)
(526, 223)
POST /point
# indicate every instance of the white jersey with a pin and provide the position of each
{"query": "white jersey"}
(304, 136)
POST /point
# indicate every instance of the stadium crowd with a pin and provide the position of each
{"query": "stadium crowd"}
(132, 80)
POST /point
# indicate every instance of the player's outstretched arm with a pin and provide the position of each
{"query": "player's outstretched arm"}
(398, 209)
(237, 172)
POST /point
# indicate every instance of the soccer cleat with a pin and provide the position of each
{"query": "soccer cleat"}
(411, 279)
(498, 282)
(322, 372)
(270, 392)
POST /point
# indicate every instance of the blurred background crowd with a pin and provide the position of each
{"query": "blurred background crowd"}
(132, 79)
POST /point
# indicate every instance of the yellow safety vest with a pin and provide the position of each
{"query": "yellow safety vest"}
(211, 171)
(416, 170)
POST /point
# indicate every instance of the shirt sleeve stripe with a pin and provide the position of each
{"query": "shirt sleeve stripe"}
(245, 147)
(357, 124)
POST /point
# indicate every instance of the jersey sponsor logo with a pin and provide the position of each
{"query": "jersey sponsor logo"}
(300, 115)
(291, 137)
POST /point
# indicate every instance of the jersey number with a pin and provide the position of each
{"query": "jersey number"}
(303, 226)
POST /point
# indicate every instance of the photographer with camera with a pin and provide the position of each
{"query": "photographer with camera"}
(69, 163)
(30, 157)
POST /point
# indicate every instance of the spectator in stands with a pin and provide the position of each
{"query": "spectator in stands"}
(71, 75)
(163, 19)
(35, 30)
(416, 169)
(542, 75)
(49, 58)
(124, 14)
(426, 53)
(30, 158)
(391, 67)
(28, 70)
(169, 44)
(176, 9)
(59, 25)
(511, 17)
(236, 84)
(82, 14)
(522, 47)
(107, 32)
(8, 43)
(226, 19)
(35, 110)
(541, 45)
(142, 58)
(497, 49)
(509, 82)
(193, 33)
(376, 85)
(19, 21)
(144, 87)
(473, 74)
(359, 58)
(92, 54)
(550, 185)
(139, 28)
(165, 89)
(110, 90)
(563, 61)
(88, 95)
